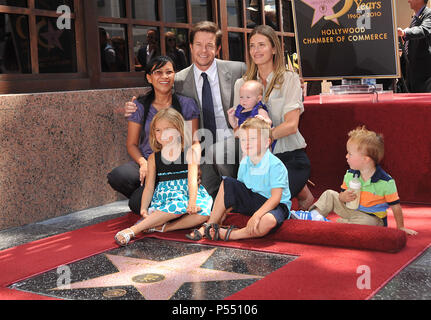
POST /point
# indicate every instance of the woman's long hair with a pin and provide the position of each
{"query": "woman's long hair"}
(278, 60)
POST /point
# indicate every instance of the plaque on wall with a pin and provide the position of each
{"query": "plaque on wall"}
(346, 39)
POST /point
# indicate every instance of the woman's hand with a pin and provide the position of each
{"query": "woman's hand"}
(288, 126)
(130, 107)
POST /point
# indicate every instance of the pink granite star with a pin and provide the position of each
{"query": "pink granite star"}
(321, 8)
(158, 280)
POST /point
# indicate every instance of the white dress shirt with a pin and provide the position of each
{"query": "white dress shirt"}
(220, 119)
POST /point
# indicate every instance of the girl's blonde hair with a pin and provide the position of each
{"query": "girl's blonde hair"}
(278, 60)
(177, 121)
(369, 142)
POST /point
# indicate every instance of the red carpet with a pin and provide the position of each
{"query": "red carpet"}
(334, 234)
(320, 272)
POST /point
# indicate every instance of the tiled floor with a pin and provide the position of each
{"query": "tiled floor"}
(412, 283)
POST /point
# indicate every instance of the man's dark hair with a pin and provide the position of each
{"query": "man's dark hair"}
(206, 26)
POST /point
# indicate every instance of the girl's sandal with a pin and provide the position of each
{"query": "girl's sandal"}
(127, 235)
(155, 230)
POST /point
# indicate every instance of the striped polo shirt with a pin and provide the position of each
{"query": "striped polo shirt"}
(377, 194)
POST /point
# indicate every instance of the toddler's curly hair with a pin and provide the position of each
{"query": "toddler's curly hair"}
(369, 142)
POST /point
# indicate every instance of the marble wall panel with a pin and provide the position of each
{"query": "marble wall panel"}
(56, 149)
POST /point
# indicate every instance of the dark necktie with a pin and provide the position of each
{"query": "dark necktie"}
(412, 24)
(208, 106)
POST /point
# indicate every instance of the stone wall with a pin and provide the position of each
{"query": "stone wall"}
(56, 149)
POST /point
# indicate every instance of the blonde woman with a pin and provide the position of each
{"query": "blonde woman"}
(283, 97)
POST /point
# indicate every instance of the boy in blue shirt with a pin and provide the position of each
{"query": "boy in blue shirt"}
(261, 190)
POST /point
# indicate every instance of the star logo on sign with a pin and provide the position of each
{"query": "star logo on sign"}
(321, 8)
(158, 280)
(53, 37)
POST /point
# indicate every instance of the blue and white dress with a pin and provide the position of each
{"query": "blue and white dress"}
(172, 191)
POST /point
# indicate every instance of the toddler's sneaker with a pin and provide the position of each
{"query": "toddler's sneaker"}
(308, 215)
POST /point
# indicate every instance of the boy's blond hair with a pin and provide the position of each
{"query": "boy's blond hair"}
(175, 118)
(369, 142)
(258, 124)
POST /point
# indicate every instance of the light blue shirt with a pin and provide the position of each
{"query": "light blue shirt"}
(268, 174)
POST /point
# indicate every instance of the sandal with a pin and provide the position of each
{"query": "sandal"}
(216, 228)
(196, 235)
(228, 232)
(127, 235)
(155, 230)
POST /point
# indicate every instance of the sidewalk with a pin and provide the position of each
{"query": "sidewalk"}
(412, 283)
(16, 236)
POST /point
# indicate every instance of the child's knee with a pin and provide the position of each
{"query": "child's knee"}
(267, 223)
(330, 193)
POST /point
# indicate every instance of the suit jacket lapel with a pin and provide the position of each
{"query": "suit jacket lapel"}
(188, 88)
(191, 87)
(188, 85)
(226, 85)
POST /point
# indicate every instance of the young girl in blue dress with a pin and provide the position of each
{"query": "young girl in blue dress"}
(171, 186)
(250, 105)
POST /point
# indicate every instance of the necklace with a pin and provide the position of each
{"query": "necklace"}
(165, 103)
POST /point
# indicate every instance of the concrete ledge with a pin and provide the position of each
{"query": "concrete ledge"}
(30, 232)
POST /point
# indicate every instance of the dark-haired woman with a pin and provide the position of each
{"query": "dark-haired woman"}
(128, 178)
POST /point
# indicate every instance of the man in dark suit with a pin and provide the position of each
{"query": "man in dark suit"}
(417, 48)
(151, 50)
(205, 45)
